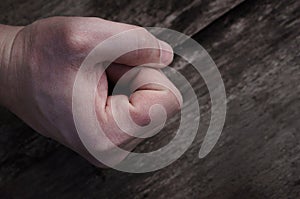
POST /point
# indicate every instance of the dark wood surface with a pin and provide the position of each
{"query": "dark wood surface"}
(255, 44)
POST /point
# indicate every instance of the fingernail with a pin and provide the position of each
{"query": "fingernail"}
(166, 55)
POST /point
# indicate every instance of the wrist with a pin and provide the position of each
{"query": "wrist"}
(8, 66)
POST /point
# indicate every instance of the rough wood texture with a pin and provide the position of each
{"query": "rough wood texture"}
(256, 46)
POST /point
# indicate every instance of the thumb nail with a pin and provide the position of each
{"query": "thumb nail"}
(166, 53)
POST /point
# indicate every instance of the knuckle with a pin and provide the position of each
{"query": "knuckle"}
(142, 118)
(73, 39)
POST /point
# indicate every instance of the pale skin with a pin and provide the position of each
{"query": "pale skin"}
(38, 66)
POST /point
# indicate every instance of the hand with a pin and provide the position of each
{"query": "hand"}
(45, 56)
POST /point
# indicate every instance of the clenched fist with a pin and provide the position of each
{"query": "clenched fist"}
(39, 63)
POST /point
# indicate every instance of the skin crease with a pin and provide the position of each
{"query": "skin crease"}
(38, 69)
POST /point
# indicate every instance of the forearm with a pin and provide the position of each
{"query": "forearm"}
(7, 69)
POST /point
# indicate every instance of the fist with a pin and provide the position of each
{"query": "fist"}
(47, 56)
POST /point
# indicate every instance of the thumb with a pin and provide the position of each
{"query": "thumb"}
(141, 48)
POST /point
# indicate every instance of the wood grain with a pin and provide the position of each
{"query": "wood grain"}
(254, 43)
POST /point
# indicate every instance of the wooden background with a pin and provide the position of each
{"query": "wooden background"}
(255, 44)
